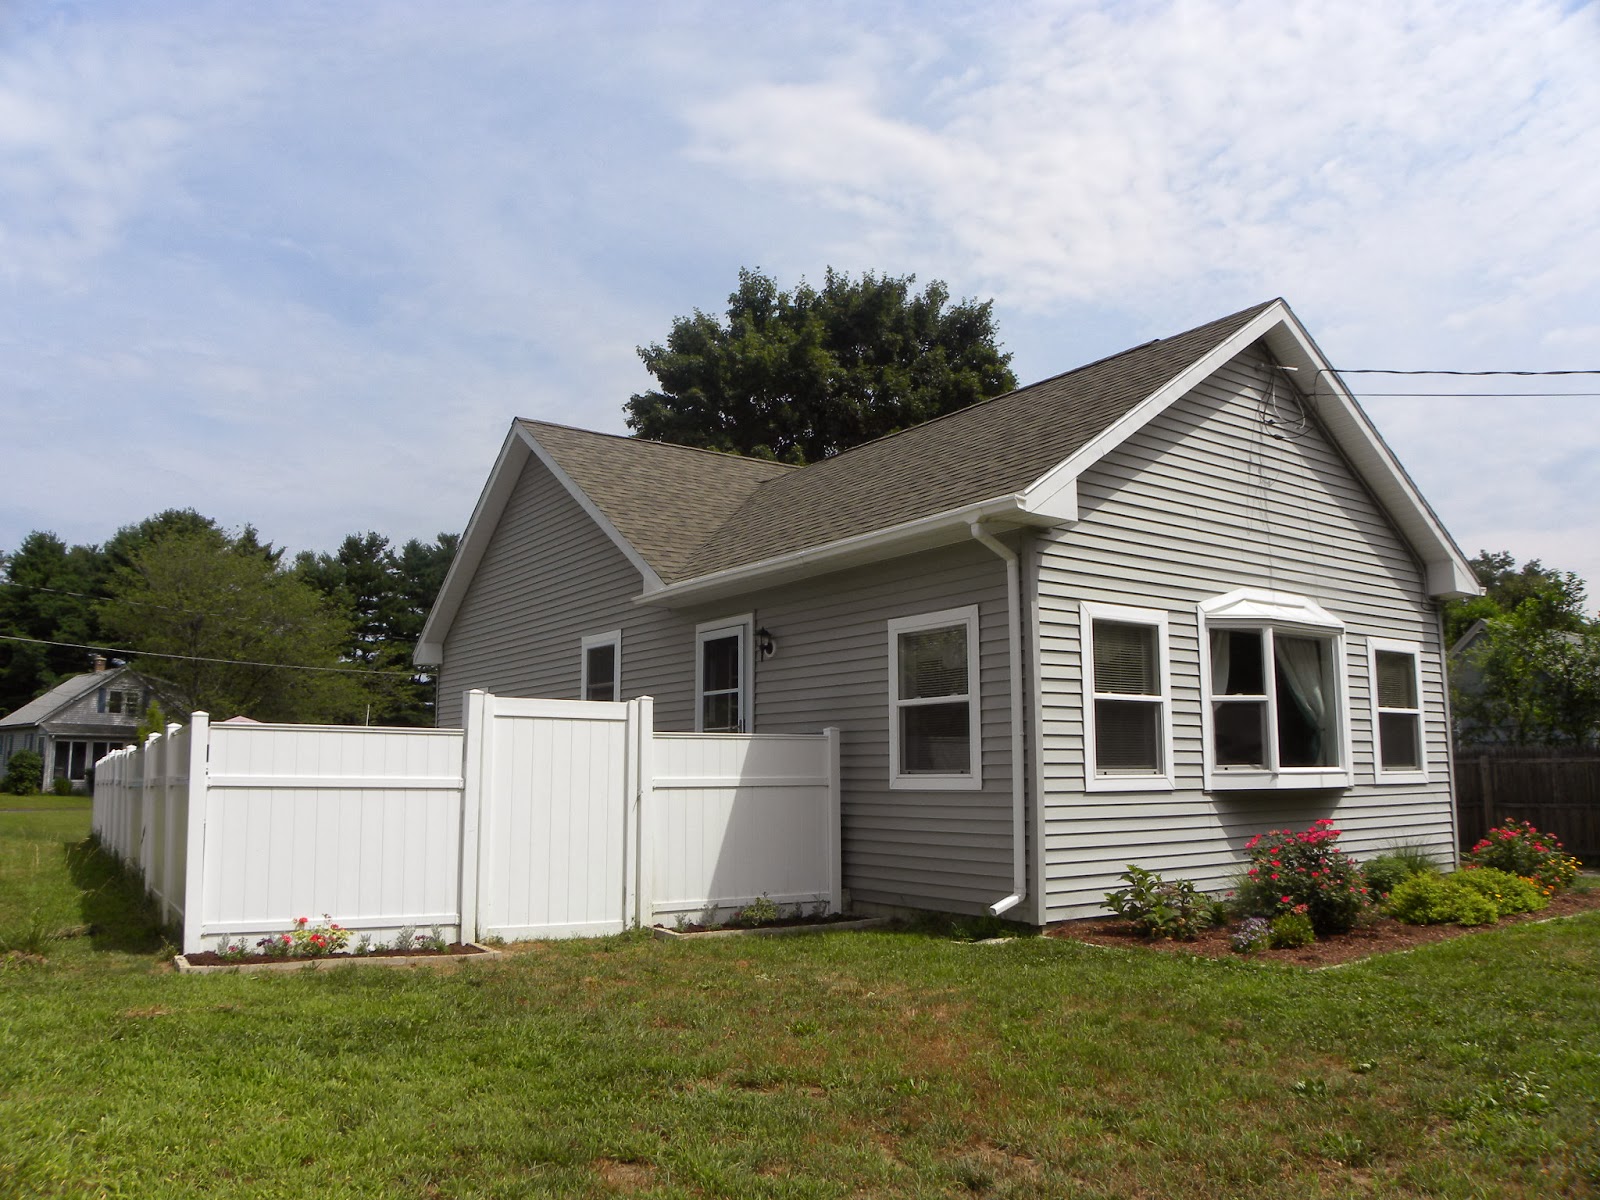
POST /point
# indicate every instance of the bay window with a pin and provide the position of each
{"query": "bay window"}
(1274, 692)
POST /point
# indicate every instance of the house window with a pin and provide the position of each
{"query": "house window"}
(933, 701)
(1396, 678)
(722, 675)
(1275, 694)
(601, 669)
(1127, 720)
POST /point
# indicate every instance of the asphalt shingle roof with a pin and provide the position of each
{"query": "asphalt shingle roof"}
(692, 512)
(64, 693)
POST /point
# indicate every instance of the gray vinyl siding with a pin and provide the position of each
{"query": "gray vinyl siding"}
(944, 850)
(1200, 502)
(550, 577)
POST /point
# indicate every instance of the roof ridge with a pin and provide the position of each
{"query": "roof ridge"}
(977, 404)
(642, 441)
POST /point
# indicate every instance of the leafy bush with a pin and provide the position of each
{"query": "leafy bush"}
(1157, 908)
(1393, 867)
(760, 911)
(24, 772)
(1510, 893)
(1440, 900)
(1291, 930)
(1517, 848)
(1253, 934)
(61, 786)
(1289, 870)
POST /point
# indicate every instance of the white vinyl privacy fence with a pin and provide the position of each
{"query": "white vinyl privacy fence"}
(542, 818)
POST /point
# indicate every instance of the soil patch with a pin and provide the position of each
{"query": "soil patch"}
(210, 958)
(1384, 936)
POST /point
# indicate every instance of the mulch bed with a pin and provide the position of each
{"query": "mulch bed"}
(1384, 936)
(210, 958)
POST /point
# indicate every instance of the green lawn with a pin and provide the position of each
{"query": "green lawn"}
(849, 1065)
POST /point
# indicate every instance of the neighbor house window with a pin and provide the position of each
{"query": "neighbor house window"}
(933, 700)
(1275, 694)
(1396, 678)
(722, 675)
(1127, 721)
(601, 672)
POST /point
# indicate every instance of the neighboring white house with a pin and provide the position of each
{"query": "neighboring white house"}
(77, 722)
(1135, 613)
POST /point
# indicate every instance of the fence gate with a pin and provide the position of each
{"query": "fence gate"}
(551, 798)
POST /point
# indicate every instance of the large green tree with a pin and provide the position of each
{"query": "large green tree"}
(229, 630)
(802, 374)
(1532, 675)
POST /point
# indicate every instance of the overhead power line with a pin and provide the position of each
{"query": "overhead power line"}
(232, 662)
(1393, 371)
(1487, 395)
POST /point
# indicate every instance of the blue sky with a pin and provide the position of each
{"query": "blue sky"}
(299, 264)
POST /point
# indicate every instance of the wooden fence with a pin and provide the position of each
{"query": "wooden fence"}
(542, 818)
(1557, 789)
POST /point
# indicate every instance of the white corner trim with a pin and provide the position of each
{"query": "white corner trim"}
(1164, 780)
(965, 781)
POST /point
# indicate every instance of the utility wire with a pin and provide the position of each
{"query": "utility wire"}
(232, 662)
(1390, 371)
(1484, 395)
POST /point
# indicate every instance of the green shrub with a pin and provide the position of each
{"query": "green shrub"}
(1305, 870)
(1517, 848)
(24, 773)
(1291, 930)
(1393, 867)
(1161, 909)
(61, 786)
(1440, 900)
(1510, 893)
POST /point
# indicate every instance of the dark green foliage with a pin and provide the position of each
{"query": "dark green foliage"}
(1440, 900)
(1292, 930)
(1161, 909)
(1393, 867)
(61, 786)
(1305, 871)
(24, 773)
(800, 375)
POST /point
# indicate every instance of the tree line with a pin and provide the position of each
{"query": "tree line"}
(222, 621)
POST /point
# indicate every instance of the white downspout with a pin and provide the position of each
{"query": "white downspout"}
(1019, 793)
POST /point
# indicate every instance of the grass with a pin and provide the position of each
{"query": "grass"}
(879, 1064)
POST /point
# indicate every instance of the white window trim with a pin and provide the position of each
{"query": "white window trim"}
(965, 781)
(612, 638)
(1414, 649)
(743, 625)
(1164, 780)
(1279, 612)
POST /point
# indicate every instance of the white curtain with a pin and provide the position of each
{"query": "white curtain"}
(1301, 661)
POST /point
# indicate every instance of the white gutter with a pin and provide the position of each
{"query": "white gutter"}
(1019, 793)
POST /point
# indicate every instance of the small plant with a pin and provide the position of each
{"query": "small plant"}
(1305, 870)
(760, 911)
(1160, 909)
(1292, 930)
(1517, 848)
(1440, 900)
(277, 945)
(61, 786)
(1253, 934)
(314, 941)
(31, 940)
(1393, 867)
(432, 940)
(231, 949)
(1510, 893)
(363, 946)
(405, 939)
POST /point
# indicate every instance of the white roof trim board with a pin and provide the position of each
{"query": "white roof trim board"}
(1051, 500)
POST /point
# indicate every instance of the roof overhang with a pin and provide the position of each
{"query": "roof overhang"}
(520, 445)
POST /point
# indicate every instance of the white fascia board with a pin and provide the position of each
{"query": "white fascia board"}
(652, 581)
(1449, 574)
(503, 477)
(940, 529)
(497, 490)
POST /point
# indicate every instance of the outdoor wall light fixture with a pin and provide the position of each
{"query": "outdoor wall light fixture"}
(766, 644)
